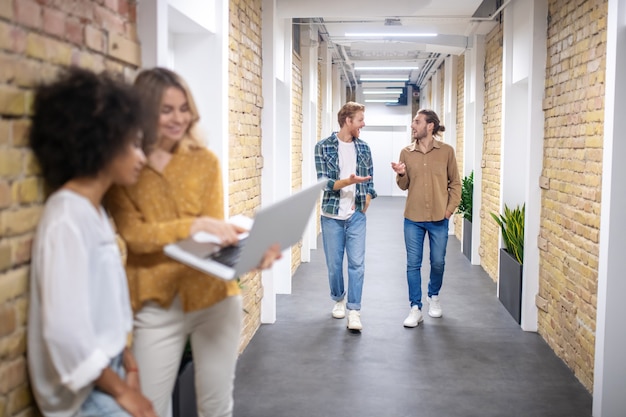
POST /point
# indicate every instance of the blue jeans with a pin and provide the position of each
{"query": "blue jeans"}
(101, 404)
(414, 233)
(339, 237)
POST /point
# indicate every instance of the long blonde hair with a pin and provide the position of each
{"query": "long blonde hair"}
(151, 85)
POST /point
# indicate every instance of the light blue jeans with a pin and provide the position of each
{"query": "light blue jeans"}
(101, 404)
(414, 234)
(339, 237)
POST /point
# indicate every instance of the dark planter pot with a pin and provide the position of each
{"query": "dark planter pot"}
(184, 396)
(467, 239)
(511, 284)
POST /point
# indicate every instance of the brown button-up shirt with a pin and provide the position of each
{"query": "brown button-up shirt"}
(432, 179)
(159, 209)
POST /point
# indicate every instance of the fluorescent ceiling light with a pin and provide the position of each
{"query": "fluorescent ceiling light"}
(374, 100)
(385, 68)
(397, 84)
(384, 78)
(390, 35)
(387, 91)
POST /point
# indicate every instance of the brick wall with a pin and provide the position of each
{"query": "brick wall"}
(570, 218)
(37, 38)
(245, 159)
(490, 186)
(460, 136)
(296, 142)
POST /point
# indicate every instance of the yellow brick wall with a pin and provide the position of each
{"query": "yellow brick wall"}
(460, 137)
(245, 159)
(36, 40)
(296, 143)
(570, 217)
(490, 186)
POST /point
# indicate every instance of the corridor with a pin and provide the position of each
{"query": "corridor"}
(474, 361)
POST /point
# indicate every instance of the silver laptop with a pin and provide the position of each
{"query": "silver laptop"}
(282, 222)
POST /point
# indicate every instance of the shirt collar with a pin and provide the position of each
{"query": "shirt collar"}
(435, 144)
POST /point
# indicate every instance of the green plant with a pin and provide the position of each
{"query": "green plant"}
(512, 225)
(467, 194)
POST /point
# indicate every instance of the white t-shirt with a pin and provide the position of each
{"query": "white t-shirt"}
(80, 312)
(347, 167)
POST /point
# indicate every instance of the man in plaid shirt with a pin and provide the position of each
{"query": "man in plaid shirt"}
(346, 161)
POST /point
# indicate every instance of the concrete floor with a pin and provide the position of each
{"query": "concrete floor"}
(474, 361)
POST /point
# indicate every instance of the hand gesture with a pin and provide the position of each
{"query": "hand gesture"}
(355, 179)
(399, 168)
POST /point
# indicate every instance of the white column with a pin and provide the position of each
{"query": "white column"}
(326, 104)
(610, 367)
(473, 124)
(276, 103)
(309, 53)
(534, 160)
(449, 109)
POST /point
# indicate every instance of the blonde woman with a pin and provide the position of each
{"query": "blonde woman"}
(178, 193)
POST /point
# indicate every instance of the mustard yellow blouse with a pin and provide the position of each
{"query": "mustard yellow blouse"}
(159, 209)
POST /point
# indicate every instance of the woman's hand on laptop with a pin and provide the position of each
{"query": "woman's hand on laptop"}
(271, 255)
(227, 233)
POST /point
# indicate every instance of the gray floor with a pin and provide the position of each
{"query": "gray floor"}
(475, 361)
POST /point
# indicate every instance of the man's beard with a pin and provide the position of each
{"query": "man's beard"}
(417, 137)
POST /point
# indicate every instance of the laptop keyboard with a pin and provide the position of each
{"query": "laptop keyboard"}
(229, 255)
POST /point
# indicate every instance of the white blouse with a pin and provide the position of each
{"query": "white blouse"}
(80, 312)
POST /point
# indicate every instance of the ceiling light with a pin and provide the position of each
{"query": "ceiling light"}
(387, 91)
(375, 100)
(389, 35)
(384, 78)
(385, 68)
(397, 84)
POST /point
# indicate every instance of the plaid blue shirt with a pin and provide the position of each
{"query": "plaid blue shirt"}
(327, 166)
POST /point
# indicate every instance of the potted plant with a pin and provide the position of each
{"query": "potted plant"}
(511, 259)
(465, 208)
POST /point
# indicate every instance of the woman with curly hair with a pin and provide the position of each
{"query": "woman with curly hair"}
(86, 135)
(179, 193)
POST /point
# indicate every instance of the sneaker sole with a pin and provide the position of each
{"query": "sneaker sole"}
(436, 316)
(339, 316)
(412, 326)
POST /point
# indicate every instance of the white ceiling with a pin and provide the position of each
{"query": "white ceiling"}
(454, 22)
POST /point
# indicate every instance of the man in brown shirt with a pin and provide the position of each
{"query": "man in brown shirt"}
(427, 168)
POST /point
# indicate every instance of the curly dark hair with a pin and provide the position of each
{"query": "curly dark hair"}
(81, 122)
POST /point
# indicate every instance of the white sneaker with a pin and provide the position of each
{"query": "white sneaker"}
(354, 320)
(414, 318)
(434, 307)
(339, 310)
